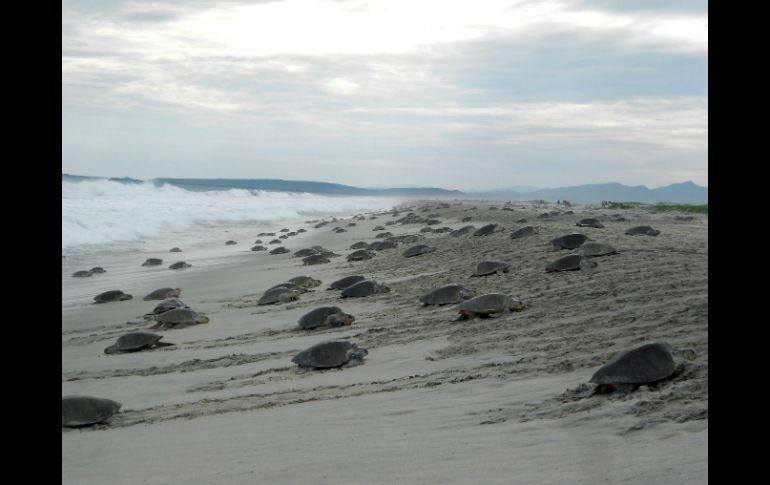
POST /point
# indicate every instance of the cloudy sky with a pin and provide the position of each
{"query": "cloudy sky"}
(458, 94)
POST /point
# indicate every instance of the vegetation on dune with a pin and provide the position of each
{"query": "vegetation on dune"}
(698, 209)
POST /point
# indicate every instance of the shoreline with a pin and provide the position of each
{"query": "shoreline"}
(436, 401)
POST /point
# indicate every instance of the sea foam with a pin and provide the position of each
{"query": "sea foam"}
(105, 212)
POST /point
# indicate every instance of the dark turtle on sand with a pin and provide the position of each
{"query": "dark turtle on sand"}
(521, 221)
(590, 222)
(178, 318)
(98, 270)
(258, 248)
(489, 267)
(343, 283)
(325, 316)
(79, 411)
(230, 242)
(305, 282)
(275, 241)
(592, 249)
(284, 236)
(466, 219)
(569, 241)
(278, 294)
(642, 231)
(446, 295)
(174, 250)
(301, 230)
(418, 250)
(426, 229)
(380, 245)
(279, 250)
(163, 293)
(290, 286)
(285, 229)
(258, 241)
(359, 245)
(166, 305)
(570, 262)
(339, 230)
(82, 274)
(180, 265)
(384, 235)
(304, 252)
(406, 238)
(360, 255)
(491, 304)
(643, 363)
(485, 230)
(112, 295)
(315, 259)
(462, 231)
(378, 228)
(327, 355)
(136, 341)
(152, 262)
(364, 288)
(524, 232)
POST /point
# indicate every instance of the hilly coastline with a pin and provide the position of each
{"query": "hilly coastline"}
(680, 193)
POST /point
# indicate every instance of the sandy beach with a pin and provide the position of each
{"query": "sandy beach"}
(490, 401)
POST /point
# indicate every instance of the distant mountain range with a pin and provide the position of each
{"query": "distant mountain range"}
(681, 193)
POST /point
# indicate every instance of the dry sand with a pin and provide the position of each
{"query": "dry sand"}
(437, 400)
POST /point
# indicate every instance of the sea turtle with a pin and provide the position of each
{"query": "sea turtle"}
(524, 232)
(359, 245)
(406, 238)
(178, 318)
(112, 295)
(79, 411)
(442, 230)
(136, 341)
(466, 219)
(258, 248)
(284, 236)
(166, 305)
(380, 245)
(285, 229)
(489, 267)
(340, 229)
(230, 242)
(275, 241)
(485, 230)
(360, 255)
(304, 252)
(290, 286)
(175, 250)
(301, 230)
(590, 222)
(644, 363)
(163, 293)
(384, 235)
(521, 221)
(489, 305)
(279, 250)
(351, 224)
(418, 250)
(570, 262)
(343, 283)
(278, 294)
(152, 262)
(568, 241)
(447, 294)
(98, 270)
(364, 288)
(329, 316)
(432, 222)
(331, 354)
(462, 231)
(592, 249)
(378, 228)
(81, 274)
(642, 231)
(305, 282)
(315, 259)
(180, 265)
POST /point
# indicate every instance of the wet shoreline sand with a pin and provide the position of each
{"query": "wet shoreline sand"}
(437, 400)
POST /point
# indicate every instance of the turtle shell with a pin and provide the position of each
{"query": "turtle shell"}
(524, 232)
(180, 317)
(380, 245)
(446, 295)
(180, 265)
(590, 222)
(163, 293)
(345, 282)
(642, 230)
(315, 259)
(418, 250)
(359, 245)
(569, 241)
(360, 255)
(168, 304)
(317, 317)
(276, 294)
(152, 262)
(485, 230)
(305, 252)
(305, 282)
(86, 410)
(489, 267)
(364, 288)
(132, 342)
(328, 354)
(82, 274)
(593, 249)
(643, 363)
(489, 303)
(463, 230)
(570, 262)
(112, 295)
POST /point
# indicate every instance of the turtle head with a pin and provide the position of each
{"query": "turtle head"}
(516, 305)
(202, 319)
(112, 349)
(687, 354)
(125, 296)
(384, 289)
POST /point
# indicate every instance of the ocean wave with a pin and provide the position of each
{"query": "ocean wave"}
(105, 212)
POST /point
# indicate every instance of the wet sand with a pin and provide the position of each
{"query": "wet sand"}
(500, 400)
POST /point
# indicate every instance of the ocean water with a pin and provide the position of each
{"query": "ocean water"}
(118, 226)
